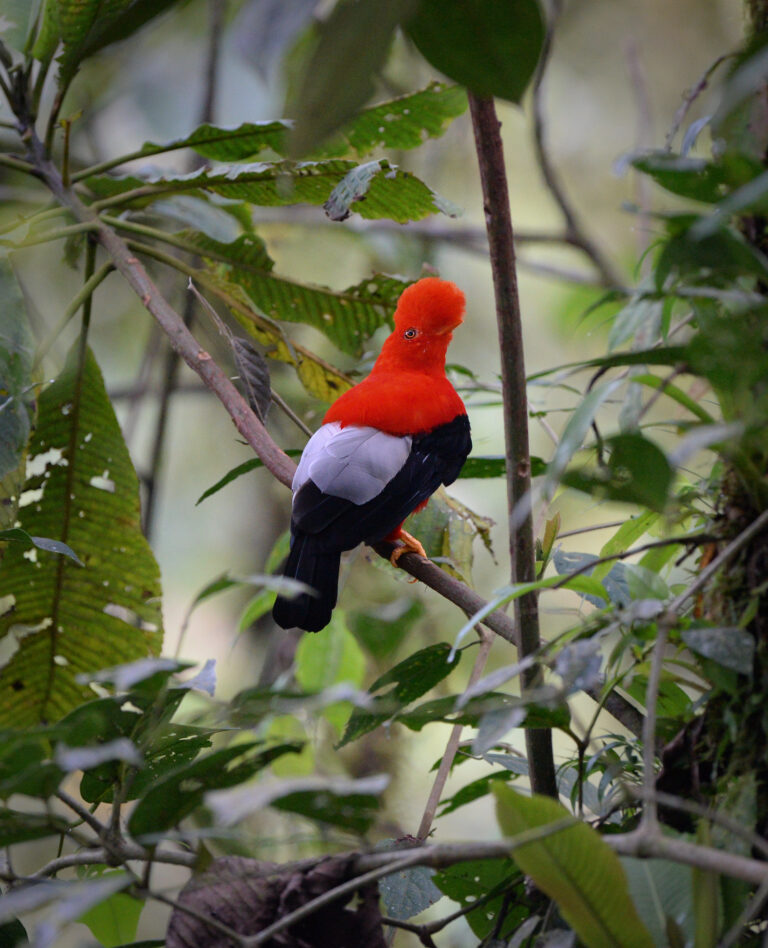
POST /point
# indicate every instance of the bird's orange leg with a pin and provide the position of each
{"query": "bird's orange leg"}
(410, 545)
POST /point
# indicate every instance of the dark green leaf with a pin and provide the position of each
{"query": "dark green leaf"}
(382, 629)
(352, 811)
(444, 709)
(468, 881)
(714, 259)
(172, 798)
(411, 678)
(689, 177)
(637, 472)
(42, 543)
(244, 468)
(408, 892)
(349, 50)
(13, 934)
(495, 466)
(67, 620)
(18, 827)
(506, 41)
(471, 792)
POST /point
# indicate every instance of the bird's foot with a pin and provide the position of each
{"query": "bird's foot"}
(410, 545)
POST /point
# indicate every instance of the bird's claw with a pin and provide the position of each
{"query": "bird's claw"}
(410, 545)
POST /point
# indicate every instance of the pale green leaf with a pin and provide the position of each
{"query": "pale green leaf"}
(67, 619)
(576, 869)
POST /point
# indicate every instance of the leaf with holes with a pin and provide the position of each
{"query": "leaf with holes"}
(374, 190)
(347, 317)
(65, 619)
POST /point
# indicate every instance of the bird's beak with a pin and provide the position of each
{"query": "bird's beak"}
(444, 330)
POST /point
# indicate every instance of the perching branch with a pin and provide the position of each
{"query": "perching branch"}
(498, 221)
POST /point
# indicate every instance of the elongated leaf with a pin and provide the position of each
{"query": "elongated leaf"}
(244, 468)
(18, 535)
(347, 317)
(68, 619)
(577, 428)
(410, 679)
(387, 190)
(689, 177)
(661, 890)
(86, 26)
(16, 394)
(349, 50)
(575, 868)
(506, 40)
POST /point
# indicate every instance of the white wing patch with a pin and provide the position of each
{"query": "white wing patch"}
(355, 462)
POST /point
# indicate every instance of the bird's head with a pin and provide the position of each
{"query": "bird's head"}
(430, 306)
(427, 313)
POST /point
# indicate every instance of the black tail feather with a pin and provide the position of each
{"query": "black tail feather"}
(318, 569)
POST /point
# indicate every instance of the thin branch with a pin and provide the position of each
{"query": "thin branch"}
(575, 233)
(454, 739)
(690, 97)
(649, 822)
(498, 221)
(83, 812)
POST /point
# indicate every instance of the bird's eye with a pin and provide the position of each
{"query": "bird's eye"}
(410, 333)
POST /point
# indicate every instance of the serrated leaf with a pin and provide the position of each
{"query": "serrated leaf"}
(67, 619)
(86, 26)
(507, 37)
(349, 49)
(576, 869)
(410, 679)
(389, 191)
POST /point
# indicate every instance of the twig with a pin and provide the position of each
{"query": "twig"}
(574, 232)
(486, 640)
(690, 97)
(649, 822)
(490, 154)
(83, 812)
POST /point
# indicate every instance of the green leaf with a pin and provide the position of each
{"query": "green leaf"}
(18, 827)
(383, 628)
(114, 921)
(506, 41)
(180, 793)
(637, 472)
(16, 395)
(661, 890)
(349, 49)
(496, 466)
(410, 891)
(468, 881)
(42, 543)
(729, 646)
(388, 191)
(245, 468)
(348, 811)
(576, 869)
(347, 317)
(689, 177)
(577, 428)
(67, 620)
(86, 26)
(410, 679)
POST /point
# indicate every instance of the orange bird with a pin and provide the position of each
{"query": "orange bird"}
(384, 448)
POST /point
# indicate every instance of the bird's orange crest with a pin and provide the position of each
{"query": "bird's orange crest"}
(432, 305)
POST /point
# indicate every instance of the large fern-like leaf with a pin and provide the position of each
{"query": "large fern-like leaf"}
(347, 317)
(374, 190)
(60, 619)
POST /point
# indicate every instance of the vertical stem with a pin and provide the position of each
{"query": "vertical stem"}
(498, 220)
